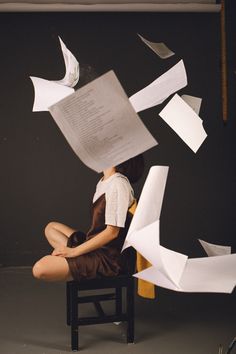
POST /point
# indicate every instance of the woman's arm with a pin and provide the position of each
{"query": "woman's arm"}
(101, 239)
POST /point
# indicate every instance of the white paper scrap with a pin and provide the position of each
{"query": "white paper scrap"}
(160, 89)
(214, 250)
(72, 67)
(208, 274)
(193, 102)
(100, 124)
(48, 92)
(159, 48)
(184, 121)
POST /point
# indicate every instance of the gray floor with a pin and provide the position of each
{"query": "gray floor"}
(33, 321)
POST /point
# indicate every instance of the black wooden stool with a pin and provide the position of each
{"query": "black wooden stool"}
(74, 298)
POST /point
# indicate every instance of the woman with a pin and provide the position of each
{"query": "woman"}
(77, 255)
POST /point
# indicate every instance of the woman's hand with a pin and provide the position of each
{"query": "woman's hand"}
(64, 251)
(98, 241)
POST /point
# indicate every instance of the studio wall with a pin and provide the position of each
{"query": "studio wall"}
(41, 179)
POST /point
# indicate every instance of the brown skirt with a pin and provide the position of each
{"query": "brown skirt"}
(99, 263)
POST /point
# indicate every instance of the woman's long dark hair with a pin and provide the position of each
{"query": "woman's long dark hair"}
(132, 168)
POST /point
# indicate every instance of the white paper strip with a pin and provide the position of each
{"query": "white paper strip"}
(159, 48)
(184, 121)
(149, 206)
(155, 93)
(215, 250)
(72, 67)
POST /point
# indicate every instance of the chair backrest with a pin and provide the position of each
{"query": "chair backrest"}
(130, 254)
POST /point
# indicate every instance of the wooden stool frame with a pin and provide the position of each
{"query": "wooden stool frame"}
(74, 298)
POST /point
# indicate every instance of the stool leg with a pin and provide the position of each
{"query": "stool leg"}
(73, 292)
(68, 305)
(130, 311)
(118, 301)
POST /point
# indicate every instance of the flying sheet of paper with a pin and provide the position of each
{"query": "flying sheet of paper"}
(72, 67)
(184, 121)
(150, 202)
(214, 250)
(208, 274)
(143, 233)
(193, 102)
(170, 269)
(155, 93)
(100, 124)
(48, 92)
(159, 48)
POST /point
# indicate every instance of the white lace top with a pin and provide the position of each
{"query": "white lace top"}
(119, 197)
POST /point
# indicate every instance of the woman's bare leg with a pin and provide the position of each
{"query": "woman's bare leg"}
(57, 234)
(52, 268)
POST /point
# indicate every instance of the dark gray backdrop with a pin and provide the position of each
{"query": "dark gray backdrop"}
(41, 179)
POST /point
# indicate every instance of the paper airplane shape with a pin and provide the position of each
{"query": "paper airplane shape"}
(155, 93)
(184, 121)
(48, 92)
(159, 48)
(170, 269)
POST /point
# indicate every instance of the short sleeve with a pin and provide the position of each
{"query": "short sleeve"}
(119, 197)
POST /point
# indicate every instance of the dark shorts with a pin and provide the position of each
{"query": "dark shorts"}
(99, 263)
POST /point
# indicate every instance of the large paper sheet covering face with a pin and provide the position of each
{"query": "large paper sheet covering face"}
(184, 121)
(160, 89)
(100, 124)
